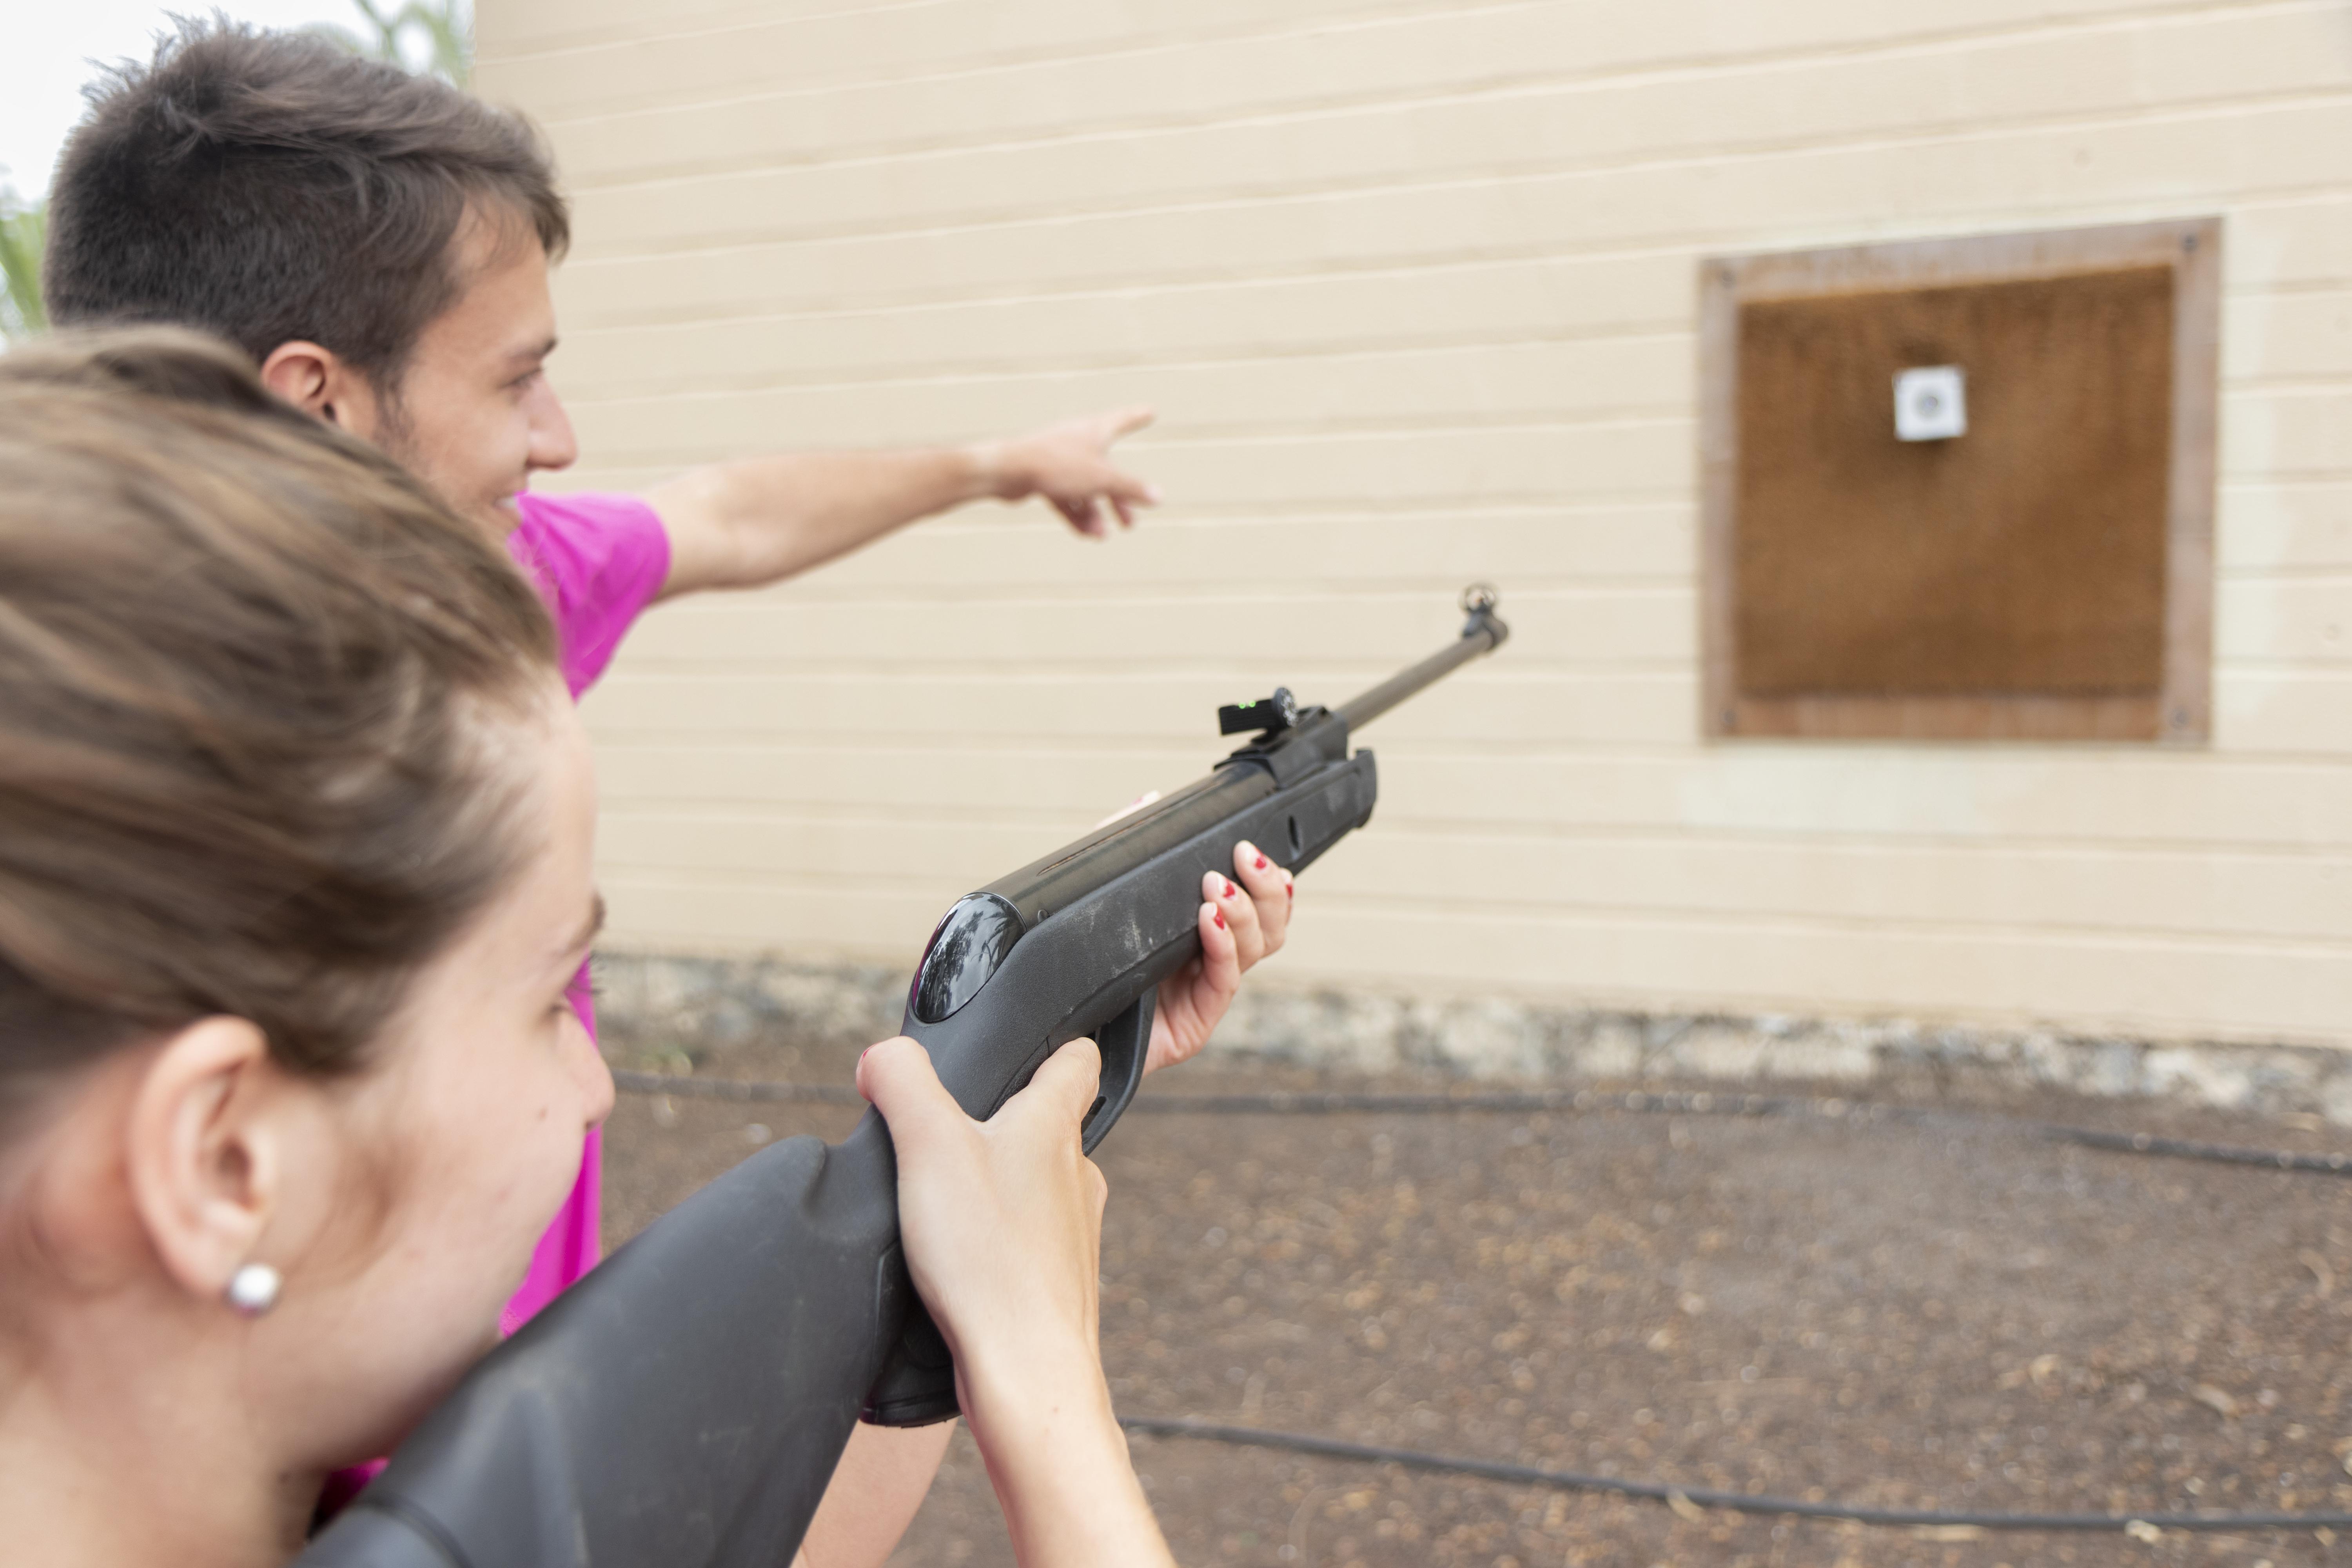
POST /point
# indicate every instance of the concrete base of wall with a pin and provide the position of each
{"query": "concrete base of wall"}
(659, 1004)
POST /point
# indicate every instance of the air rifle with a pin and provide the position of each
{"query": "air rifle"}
(686, 1403)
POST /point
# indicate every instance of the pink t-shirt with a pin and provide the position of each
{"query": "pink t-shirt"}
(598, 561)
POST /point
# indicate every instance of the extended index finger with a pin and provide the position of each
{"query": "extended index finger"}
(1123, 422)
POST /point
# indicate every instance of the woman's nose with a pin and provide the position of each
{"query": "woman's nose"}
(594, 1075)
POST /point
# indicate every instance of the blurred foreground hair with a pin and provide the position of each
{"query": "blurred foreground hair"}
(250, 678)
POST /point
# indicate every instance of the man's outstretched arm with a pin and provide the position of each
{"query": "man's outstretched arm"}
(743, 524)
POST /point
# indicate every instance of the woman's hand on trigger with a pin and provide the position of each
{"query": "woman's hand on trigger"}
(1002, 1219)
(1002, 1222)
(1243, 918)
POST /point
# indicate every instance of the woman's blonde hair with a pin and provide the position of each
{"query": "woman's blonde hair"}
(244, 662)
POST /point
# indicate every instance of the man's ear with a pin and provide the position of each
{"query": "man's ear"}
(317, 381)
(206, 1155)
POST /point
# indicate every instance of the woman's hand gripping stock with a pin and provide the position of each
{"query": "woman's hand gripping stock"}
(1002, 1220)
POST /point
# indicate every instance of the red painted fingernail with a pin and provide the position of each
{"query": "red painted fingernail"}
(1289, 890)
(1220, 917)
(1261, 862)
(1230, 888)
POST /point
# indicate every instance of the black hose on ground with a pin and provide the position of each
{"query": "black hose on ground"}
(736, 1089)
(1682, 1498)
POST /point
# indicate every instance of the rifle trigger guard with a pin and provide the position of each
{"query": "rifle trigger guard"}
(1125, 1043)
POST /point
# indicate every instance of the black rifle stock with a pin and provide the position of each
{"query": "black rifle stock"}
(685, 1404)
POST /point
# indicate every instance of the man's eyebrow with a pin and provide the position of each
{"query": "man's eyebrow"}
(533, 352)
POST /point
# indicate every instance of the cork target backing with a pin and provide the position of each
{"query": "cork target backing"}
(2025, 556)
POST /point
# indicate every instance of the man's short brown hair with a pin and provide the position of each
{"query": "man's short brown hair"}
(270, 187)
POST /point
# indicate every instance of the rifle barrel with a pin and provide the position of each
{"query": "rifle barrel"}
(1483, 634)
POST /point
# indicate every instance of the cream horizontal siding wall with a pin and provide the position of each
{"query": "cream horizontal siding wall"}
(1414, 288)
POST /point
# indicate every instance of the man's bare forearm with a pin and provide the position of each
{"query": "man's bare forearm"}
(742, 524)
(758, 521)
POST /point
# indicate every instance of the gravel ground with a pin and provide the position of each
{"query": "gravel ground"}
(1957, 1316)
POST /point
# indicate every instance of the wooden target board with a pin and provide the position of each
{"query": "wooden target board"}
(2044, 574)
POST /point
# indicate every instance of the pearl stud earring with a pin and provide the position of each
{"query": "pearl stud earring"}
(253, 1290)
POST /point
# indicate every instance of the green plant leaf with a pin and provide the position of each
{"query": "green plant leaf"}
(22, 230)
(446, 27)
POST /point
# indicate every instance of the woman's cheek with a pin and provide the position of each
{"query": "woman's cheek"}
(509, 1145)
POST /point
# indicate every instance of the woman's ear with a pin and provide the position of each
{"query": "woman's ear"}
(205, 1150)
(317, 381)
